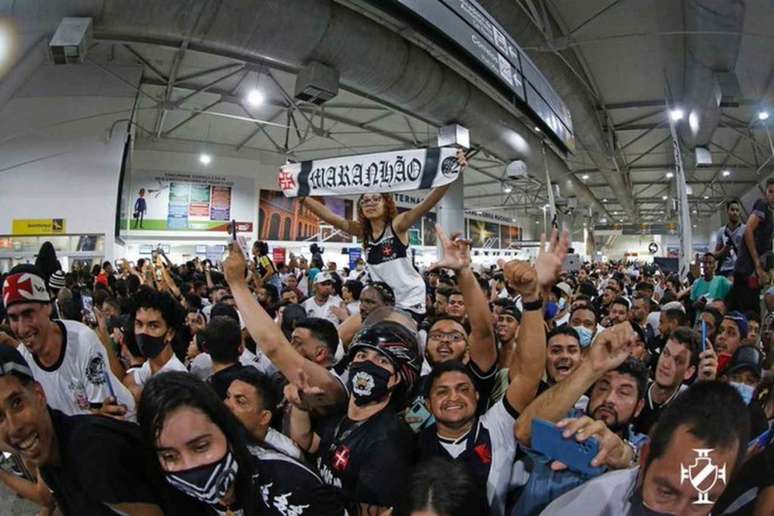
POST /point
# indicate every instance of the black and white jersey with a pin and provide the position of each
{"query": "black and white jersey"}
(389, 261)
(488, 451)
(370, 461)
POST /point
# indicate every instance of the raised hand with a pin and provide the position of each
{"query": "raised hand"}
(456, 251)
(549, 262)
(522, 277)
(234, 266)
(613, 451)
(300, 393)
(708, 363)
(611, 347)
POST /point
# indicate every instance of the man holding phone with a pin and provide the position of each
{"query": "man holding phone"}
(66, 357)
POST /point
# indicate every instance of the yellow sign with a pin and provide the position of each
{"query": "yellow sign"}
(38, 226)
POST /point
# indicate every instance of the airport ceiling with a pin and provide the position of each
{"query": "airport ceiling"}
(628, 55)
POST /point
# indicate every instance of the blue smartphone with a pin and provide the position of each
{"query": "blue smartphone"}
(703, 335)
(547, 439)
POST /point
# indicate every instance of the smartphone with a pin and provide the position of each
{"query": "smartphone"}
(87, 303)
(233, 229)
(703, 335)
(548, 440)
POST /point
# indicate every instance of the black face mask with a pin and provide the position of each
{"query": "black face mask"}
(150, 346)
(367, 382)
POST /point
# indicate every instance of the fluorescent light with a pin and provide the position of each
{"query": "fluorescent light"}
(763, 115)
(205, 159)
(664, 197)
(537, 129)
(255, 98)
(604, 200)
(507, 188)
(676, 114)
(706, 197)
(603, 220)
(670, 175)
(585, 177)
(726, 173)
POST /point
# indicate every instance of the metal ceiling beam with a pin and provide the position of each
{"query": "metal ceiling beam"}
(190, 118)
(202, 73)
(158, 125)
(640, 127)
(146, 62)
(634, 104)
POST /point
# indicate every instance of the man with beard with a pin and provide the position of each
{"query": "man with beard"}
(450, 339)
(710, 417)
(617, 386)
(603, 302)
(619, 311)
(729, 239)
(680, 360)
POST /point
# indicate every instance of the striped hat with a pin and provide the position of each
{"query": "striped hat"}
(56, 281)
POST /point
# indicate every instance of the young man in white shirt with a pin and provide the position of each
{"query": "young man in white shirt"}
(157, 319)
(66, 357)
(323, 300)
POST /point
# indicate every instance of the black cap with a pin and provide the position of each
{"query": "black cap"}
(746, 357)
(11, 362)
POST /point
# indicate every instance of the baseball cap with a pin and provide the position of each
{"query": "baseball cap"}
(11, 362)
(565, 288)
(746, 357)
(25, 284)
(323, 276)
(740, 320)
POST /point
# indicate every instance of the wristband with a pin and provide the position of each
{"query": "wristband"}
(532, 305)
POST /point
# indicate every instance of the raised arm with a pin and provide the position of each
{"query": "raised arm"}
(350, 226)
(528, 362)
(607, 352)
(403, 222)
(749, 239)
(456, 256)
(269, 337)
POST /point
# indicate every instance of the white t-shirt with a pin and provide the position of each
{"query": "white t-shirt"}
(353, 307)
(79, 377)
(201, 366)
(283, 443)
(257, 360)
(143, 374)
(324, 311)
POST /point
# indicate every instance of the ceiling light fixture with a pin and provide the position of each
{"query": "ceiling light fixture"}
(726, 173)
(205, 159)
(255, 98)
(670, 175)
(585, 177)
(604, 200)
(664, 197)
(706, 197)
(537, 129)
(507, 188)
(676, 114)
(763, 115)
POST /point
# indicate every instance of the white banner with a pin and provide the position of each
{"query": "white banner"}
(407, 170)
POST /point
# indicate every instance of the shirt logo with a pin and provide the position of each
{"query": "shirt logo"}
(484, 453)
(341, 459)
(95, 371)
(703, 475)
(387, 250)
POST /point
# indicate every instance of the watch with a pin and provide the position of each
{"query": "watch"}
(533, 305)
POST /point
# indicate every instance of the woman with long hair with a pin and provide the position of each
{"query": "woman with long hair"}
(202, 450)
(384, 233)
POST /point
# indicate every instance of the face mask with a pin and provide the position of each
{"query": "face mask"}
(367, 382)
(150, 346)
(584, 334)
(744, 390)
(562, 304)
(208, 483)
(551, 309)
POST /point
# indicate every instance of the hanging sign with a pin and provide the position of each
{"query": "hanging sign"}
(412, 169)
(38, 227)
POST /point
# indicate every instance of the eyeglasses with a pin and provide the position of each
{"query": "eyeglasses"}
(370, 200)
(454, 337)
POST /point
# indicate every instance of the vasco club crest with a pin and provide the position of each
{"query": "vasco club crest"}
(703, 475)
(362, 383)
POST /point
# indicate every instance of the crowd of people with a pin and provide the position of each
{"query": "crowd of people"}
(248, 387)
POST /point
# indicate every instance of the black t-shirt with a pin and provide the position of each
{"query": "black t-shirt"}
(650, 412)
(286, 486)
(756, 474)
(762, 236)
(221, 380)
(100, 466)
(369, 460)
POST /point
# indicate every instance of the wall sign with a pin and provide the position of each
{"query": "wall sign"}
(38, 227)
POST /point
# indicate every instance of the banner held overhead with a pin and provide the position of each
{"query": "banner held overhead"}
(412, 169)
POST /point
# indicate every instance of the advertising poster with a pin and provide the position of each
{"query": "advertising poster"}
(220, 209)
(283, 218)
(175, 201)
(428, 229)
(509, 236)
(483, 233)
